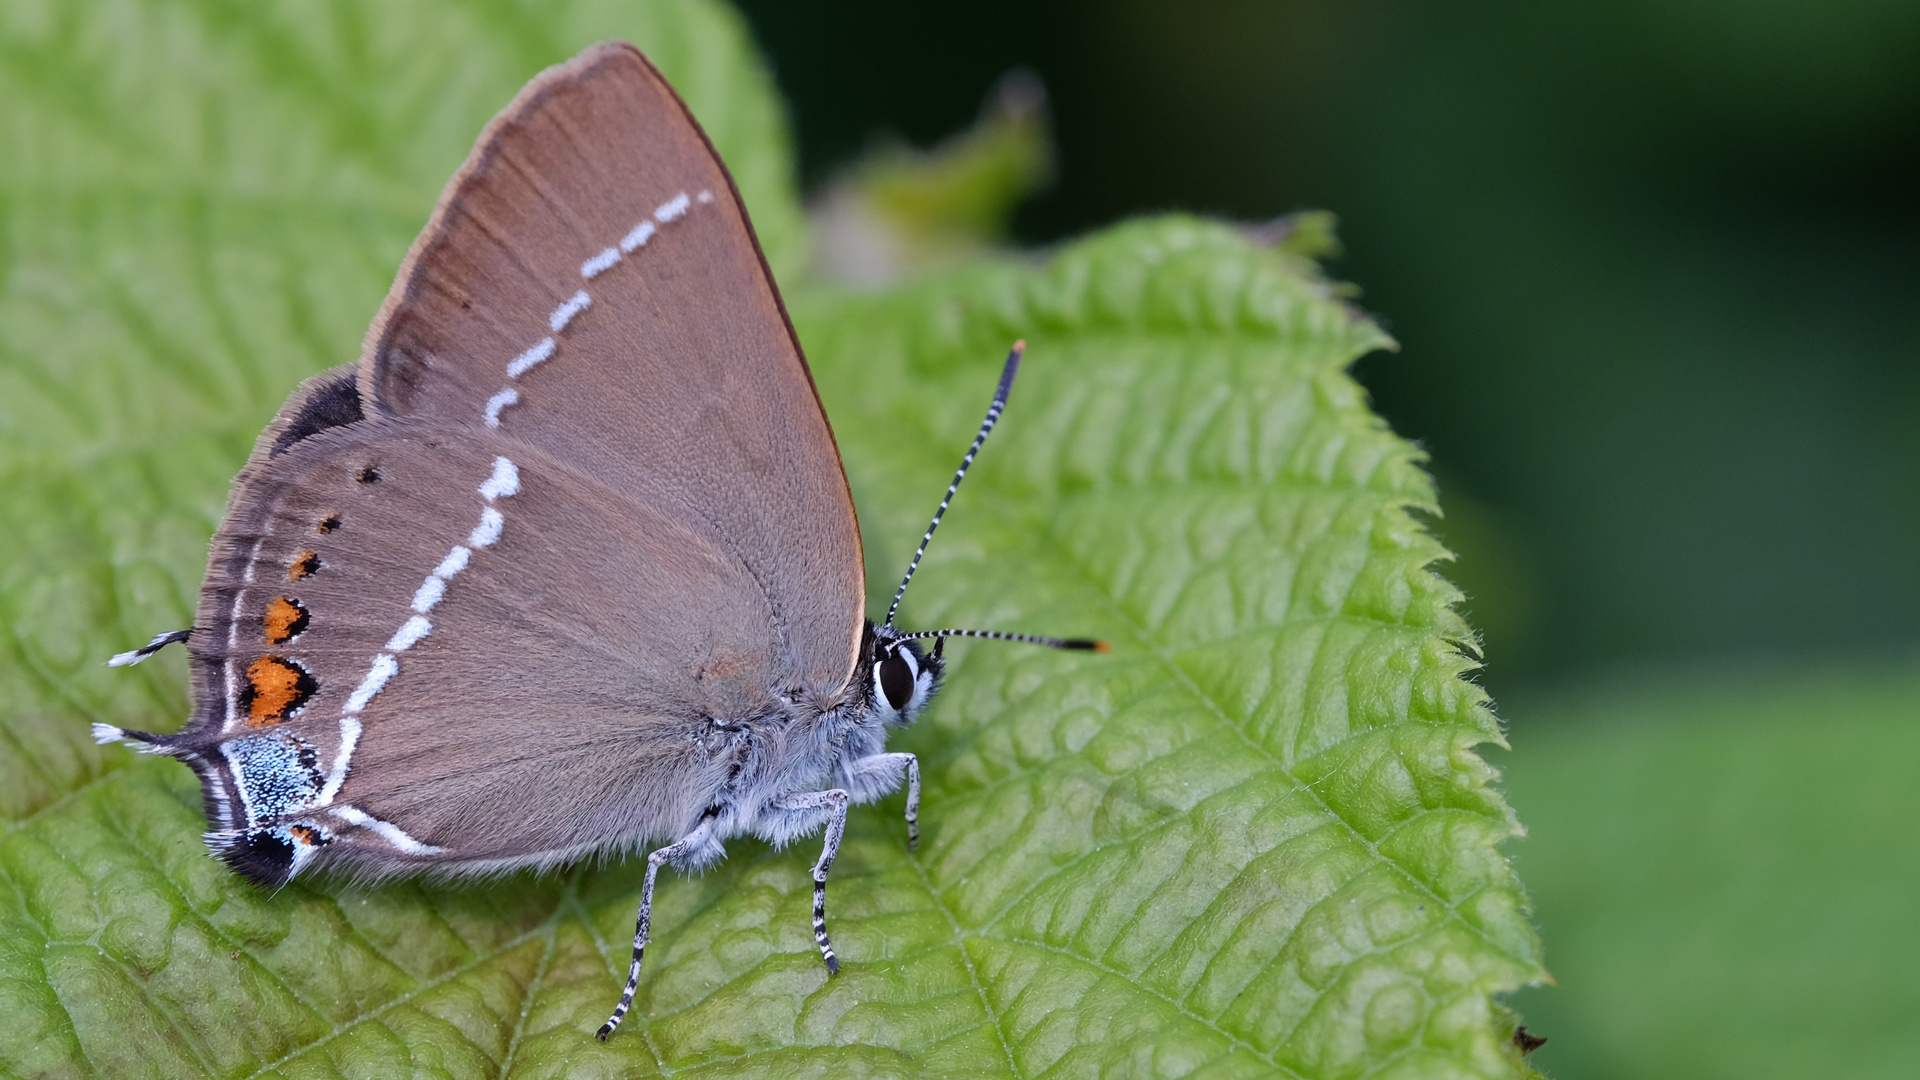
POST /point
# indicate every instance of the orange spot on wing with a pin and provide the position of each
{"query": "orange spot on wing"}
(275, 688)
(303, 564)
(285, 618)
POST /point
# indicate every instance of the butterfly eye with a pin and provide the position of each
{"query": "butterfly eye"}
(896, 675)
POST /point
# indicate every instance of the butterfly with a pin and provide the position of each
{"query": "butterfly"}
(566, 564)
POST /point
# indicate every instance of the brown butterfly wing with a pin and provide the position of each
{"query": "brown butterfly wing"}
(679, 549)
(510, 656)
(681, 374)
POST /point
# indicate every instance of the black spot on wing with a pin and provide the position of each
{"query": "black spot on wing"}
(261, 857)
(332, 401)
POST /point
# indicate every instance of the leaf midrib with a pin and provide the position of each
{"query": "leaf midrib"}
(958, 942)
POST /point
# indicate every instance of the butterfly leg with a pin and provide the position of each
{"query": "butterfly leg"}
(678, 852)
(877, 774)
(834, 802)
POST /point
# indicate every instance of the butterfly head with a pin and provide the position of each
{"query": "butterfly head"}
(904, 675)
(901, 675)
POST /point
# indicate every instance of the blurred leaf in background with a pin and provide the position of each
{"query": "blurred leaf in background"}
(1255, 840)
(1726, 865)
(899, 212)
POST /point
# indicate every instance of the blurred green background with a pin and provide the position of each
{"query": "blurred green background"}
(1655, 271)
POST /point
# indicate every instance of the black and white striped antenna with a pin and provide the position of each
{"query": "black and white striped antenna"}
(986, 426)
(1087, 644)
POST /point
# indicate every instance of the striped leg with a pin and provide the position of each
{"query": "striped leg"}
(885, 770)
(835, 803)
(913, 802)
(675, 853)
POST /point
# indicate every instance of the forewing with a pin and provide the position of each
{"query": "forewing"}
(589, 284)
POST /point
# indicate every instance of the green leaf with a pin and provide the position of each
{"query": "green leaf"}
(1254, 839)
